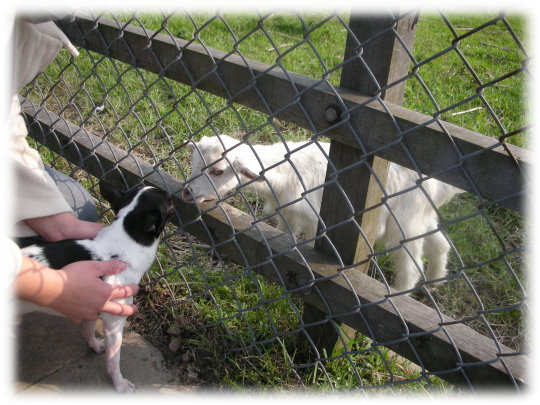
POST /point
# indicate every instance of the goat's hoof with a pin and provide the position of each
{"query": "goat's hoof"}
(125, 386)
(432, 287)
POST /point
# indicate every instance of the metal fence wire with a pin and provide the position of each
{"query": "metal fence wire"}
(280, 276)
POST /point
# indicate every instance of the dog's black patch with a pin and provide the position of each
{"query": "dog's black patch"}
(60, 254)
(144, 224)
(146, 221)
(117, 198)
(29, 241)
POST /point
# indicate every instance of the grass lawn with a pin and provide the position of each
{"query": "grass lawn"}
(196, 309)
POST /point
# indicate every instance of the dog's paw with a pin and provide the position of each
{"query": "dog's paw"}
(97, 345)
(124, 385)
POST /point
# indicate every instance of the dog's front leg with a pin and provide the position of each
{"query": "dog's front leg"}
(113, 327)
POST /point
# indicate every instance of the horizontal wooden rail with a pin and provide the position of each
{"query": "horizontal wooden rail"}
(410, 328)
(482, 164)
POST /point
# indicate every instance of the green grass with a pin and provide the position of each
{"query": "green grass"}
(243, 310)
(212, 309)
(491, 53)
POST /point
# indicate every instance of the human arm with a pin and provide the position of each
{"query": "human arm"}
(63, 226)
(76, 290)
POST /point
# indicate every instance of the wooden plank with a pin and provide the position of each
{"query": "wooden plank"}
(415, 331)
(442, 150)
(344, 202)
(322, 333)
(383, 61)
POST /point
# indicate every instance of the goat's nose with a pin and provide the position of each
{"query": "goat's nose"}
(186, 193)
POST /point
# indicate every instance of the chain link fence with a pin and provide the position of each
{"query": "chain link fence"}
(281, 277)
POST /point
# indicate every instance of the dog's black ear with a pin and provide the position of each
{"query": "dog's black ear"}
(112, 194)
(155, 221)
(152, 222)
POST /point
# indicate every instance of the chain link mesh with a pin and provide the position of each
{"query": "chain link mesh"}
(230, 299)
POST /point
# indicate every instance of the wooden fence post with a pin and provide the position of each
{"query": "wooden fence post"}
(387, 60)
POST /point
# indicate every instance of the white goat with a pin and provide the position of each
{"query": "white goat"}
(280, 173)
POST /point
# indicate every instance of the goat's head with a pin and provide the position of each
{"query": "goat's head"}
(217, 168)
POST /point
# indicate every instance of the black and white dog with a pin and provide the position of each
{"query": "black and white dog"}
(132, 237)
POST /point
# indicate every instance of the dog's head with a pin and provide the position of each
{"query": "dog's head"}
(143, 209)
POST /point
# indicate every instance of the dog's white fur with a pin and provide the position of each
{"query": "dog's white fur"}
(299, 168)
(112, 242)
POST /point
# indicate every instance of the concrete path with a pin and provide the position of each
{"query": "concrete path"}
(52, 357)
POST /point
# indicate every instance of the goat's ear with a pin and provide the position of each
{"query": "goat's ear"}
(203, 141)
(242, 169)
(111, 193)
(191, 145)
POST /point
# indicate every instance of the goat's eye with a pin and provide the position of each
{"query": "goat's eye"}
(216, 172)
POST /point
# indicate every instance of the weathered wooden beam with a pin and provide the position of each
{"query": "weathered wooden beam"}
(422, 334)
(353, 191)
(372, 66)
(455, 155)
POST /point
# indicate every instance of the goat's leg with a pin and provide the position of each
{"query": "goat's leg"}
(281, 225)
(408, 264)
(407, 259)
(436, 249)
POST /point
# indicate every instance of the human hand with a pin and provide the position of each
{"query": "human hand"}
(75, 291)
(63, 226)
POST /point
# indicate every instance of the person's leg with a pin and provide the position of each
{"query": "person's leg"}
(76, 195)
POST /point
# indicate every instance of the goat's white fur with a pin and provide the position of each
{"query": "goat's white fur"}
(274, 172)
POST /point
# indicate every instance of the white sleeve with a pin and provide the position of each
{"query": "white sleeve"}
(12, 257)
(36, 194)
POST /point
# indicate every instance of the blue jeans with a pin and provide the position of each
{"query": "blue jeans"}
(76, 195)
